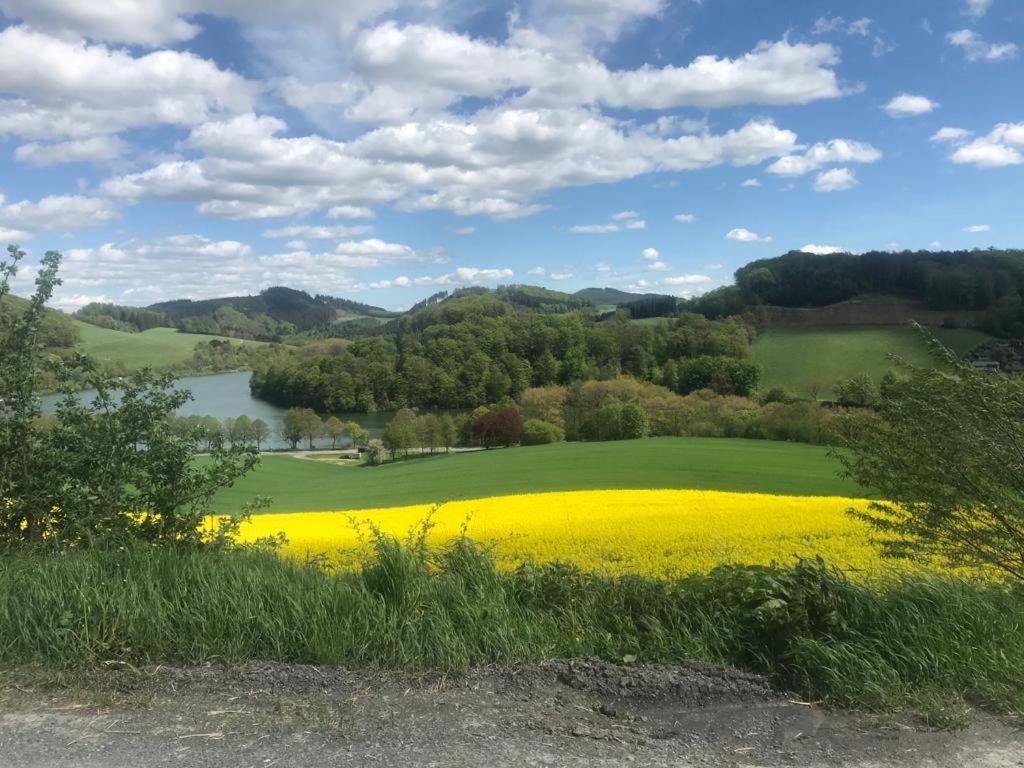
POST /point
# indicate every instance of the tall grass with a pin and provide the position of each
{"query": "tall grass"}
(894, 644)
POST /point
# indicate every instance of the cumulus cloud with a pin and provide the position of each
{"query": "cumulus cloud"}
(976, 228)
(975, 48)
(620, 222)
(742, 235)
(658, 266)
(1002, 146)
(55, 212)
(823, 250)
(977, 8)
(686, 280)
(949, 135)
(62, 88)
(563, 275)
(97, 149)
(835, 180)
(909, 105)
(752, 182)
(684, 218)
(650, 254)
(467, 276)
(825, 153)
(537, 271)
(312, 232)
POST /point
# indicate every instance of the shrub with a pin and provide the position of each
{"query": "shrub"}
(537, 432)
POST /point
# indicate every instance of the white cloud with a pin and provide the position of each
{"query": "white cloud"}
(312, 232)
(620, 222)
(975, 48)
(752, 182)
(160, 22)
(650, 254)
(824, 153)
(61, 88)
(684, 218)
(658, 266)
(977, 8)
(603, 267)
(835, 180)
(935, 245)
(1003, 146)
(909, 105)
(97, 149)
(9, 235)
(948, 135)
(467, 276)
(686, 280)
(743, 235)
(349, 212)
(975, 228)
(492, 163)
(55, 212)
(823, 250)
(714, 266)
(419, 70)
(564, 275)
(537, 271)
(463, 231)
(399, 282)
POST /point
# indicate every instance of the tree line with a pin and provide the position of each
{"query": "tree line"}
(476, 349)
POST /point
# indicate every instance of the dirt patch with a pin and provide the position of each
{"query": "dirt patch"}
(580, 712)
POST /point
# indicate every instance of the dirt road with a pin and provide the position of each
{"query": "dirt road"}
(568, 713)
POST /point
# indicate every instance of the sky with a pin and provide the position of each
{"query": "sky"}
(383, 150)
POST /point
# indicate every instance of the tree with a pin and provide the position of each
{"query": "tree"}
(356, 433)
(948, 456)
(400, 433)
(334, 428)
(260, 431)
(228, 431)
(501, 426)
(449, 432)
(100, 473)
(430, 431)
(312, 426)
(857, 390)
(292, 427)
(242, 432)
(633, 422)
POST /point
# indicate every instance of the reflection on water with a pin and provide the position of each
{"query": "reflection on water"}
(226, 395)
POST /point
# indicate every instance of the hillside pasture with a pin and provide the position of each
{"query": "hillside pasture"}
(722, 464)
(808, 361)
(155, 347)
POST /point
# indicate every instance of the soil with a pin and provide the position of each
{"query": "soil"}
(560, 713)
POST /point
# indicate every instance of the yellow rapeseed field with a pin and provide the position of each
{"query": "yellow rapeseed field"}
(661, 533)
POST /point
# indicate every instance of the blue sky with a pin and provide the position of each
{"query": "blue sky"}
(385, 150)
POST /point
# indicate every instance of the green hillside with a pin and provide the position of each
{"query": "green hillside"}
(804, 359)
(156, 347)
(298, 485)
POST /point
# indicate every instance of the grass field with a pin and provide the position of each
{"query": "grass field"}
(299, 485)
(797, 359)
(157, 346)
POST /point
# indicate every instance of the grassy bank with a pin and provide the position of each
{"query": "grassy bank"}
(914, 642)
(722, 464)
(804, 359)
(155, 347)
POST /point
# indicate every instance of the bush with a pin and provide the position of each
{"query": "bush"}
(537, 432)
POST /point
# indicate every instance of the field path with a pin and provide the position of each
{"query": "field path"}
(562, 713)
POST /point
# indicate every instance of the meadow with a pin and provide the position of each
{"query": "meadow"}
(808, 361)
(720, 464)
(155, 347)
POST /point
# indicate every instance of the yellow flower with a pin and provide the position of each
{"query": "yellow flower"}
(662, 533)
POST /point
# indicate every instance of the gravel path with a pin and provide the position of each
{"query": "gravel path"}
(563, 713)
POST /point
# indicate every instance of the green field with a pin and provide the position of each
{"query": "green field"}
(801, 360)
(156, 347)
(298, 485)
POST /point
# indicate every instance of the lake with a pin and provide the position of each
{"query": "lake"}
(225, 395)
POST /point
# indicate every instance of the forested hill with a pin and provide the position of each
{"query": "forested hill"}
(989, 283)
(269, 315)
